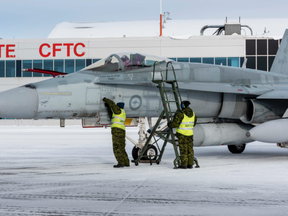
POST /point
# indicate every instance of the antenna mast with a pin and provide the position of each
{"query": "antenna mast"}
(160, 18)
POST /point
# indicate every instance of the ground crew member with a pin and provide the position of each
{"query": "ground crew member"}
(118, 116)
(185, 121)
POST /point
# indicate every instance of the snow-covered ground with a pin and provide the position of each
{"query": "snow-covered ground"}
(69, 171)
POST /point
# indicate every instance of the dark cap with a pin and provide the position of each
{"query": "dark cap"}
(121, 105)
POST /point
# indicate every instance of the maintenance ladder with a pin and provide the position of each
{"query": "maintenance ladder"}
(165, 84)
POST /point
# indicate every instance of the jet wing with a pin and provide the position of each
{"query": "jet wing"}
(275, 94)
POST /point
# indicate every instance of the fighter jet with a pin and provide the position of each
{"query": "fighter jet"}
(228, 101)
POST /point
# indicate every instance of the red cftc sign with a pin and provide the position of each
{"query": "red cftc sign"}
(45, 50)
(57, 47)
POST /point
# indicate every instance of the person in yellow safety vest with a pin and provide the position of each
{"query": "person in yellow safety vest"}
(118, 116)
(185, 121)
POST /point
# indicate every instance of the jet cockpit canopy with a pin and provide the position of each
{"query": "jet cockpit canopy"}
(125, 61)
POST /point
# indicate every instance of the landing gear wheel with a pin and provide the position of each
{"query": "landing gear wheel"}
(135, 152)
(236, 149)
(151, 152)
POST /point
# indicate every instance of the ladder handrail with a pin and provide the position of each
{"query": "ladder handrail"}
(162, 83)
(175, 78)
(154, 64)
(165, 79)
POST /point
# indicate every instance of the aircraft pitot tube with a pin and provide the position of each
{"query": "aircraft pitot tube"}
(271, 132)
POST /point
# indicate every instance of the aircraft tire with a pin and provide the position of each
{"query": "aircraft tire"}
(236, 149)
(151, 150)
(135, 152)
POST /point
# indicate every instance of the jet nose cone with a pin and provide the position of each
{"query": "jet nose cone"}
(19, 103)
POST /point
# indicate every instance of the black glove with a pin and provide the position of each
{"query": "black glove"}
(106, 105)
(104, 98)
(169, 124)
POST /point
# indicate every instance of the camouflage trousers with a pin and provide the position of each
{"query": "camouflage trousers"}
(118, 139)
(186, 150)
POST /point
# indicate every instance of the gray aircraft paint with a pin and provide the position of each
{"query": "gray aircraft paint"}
(217, 93)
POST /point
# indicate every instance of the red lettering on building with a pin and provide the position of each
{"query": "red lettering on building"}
(41, 50)
(1, 45)
(56, 47)
(9, 50)
(68, 45)
(75, 49)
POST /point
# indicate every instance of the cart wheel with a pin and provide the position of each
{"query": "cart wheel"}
(136, 163)
(158, 162)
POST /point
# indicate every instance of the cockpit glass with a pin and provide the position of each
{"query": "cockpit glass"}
(125, 61)
(109, 64)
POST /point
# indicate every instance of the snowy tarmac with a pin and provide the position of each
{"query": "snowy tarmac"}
(69, 171)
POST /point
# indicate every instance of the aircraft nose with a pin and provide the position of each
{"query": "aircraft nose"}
(21, 103)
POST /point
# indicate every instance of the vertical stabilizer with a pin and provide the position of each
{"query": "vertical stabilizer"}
(280, 64)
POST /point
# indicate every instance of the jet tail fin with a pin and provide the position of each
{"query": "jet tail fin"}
(280, 64)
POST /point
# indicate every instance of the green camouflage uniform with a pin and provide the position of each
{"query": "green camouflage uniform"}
(185, 142)
(118, 136)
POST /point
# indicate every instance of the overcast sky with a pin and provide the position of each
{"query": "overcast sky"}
(36, 18)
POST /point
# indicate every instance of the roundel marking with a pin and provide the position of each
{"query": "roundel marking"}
(135, 102)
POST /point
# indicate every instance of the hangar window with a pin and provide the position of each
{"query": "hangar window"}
(196, 60)
(270, 61)
(262, 63)
(27, 64)
(262, 47)
(80, 64)
(10, 68)
(250, 47)
(183, 59)
(37, 64)
(69, 66)
(18, 68)
(273, 46)
(208, 60)
(241, 61)
(220, 61)
(174, 59)
(233, 61)
(2, 68)
(58, 65)
(251, 62)
(48, 65)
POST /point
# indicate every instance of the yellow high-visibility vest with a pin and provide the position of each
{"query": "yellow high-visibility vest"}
(186, 126)
(118, 121)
